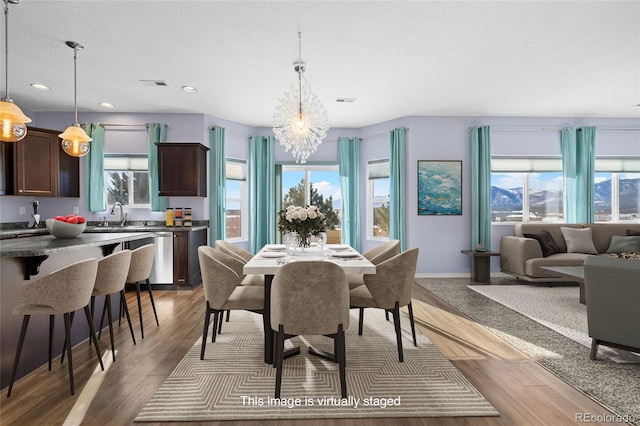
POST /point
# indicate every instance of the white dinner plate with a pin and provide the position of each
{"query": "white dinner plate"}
(275, 247)
(346, 254)
(337, 246)
(273, 254)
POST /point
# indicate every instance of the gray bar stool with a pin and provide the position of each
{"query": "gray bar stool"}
(63, 291)
(140, 270)
(112, 276)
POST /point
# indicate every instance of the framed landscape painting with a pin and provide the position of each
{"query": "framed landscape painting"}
(439, 187)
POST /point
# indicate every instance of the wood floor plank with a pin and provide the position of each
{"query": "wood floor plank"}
(521, 390)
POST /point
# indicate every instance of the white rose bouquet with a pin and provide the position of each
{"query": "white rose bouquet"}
(306, 221)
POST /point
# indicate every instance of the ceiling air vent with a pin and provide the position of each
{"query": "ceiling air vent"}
(345, 100)
(159, 83)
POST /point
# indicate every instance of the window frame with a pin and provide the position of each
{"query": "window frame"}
(244, 199)
(371, 200)
(130, 159)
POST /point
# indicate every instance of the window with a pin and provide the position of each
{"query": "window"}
(236, 199)
(527, 189)
(318, 186)
(126, 179)
(617, 189)
(378, 199)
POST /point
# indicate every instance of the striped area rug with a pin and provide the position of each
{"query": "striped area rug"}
(233, 382)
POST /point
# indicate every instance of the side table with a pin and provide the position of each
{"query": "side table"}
(480, 264)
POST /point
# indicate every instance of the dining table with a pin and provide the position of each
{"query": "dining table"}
(272, 257)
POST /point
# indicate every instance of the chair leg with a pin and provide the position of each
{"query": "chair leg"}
(207, 315)
(65, 339)
(220, 321)
(228, 315)
(92, 330)
(594, 349)
(52, 320)
(92, 304)
(125, 308)
(108, 308)
(360, 321)
(153, 304)
(104, 313)
(341, 355)
(140, 309)
(396, 323)
(214, 330)
(67, 344)
(23, 332)
(386, 315)
(413, 325)
(279, 359)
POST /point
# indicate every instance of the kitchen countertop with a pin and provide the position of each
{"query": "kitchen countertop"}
(44, 245)
(104, 229)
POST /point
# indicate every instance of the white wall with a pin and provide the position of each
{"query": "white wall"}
(440, 238)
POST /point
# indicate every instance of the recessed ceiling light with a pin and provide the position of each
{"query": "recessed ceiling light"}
(106, 104)
(40, 86)
(189, 89)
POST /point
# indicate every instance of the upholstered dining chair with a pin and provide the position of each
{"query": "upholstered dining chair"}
(389, 289)
(140, 270)
(234, 259)
(223, 292)
(63, 291)
(233, 250)
(112, 275)
(310, 298)
(376, 255)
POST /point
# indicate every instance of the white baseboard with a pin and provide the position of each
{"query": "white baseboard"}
(457, 275)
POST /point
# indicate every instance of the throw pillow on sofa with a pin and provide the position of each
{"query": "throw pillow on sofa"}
(579, 240)
(633, 232)
(547, 243)
(621, 244)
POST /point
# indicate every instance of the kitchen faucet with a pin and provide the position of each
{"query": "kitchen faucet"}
(123, 215)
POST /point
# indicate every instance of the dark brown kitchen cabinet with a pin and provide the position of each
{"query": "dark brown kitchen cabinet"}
(37, 166)
(182, 169)
(186, 266)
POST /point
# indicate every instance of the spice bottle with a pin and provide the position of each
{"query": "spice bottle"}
(169, 217)
(178, 219)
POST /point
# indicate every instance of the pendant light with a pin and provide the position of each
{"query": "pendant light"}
(75, 140)
(300, 121)
(12, 119)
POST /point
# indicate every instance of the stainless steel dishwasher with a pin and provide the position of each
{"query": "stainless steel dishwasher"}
(162, 272)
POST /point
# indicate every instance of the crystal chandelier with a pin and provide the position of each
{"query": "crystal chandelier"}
(300, 121)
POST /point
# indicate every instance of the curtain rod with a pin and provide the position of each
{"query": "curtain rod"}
(125, 125)
(533, 129)
(382, 134)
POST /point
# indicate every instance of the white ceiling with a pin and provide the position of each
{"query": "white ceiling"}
(398, 58)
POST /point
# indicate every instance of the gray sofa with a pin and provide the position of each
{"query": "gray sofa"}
(522, 257)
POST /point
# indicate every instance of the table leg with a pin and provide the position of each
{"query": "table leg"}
(269, 335)
(480, 269)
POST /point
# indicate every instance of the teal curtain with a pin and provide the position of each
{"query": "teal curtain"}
(217, 183)
(397, 191)
(278, 184)
(95, 168)
(578, 167)
(156, 133)
(349, 170)
(481, 187)
(262, 190)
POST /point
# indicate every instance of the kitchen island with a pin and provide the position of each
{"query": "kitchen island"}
(23, 260)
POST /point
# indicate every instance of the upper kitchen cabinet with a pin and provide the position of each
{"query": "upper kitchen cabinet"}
(182, 169)
(37, 166)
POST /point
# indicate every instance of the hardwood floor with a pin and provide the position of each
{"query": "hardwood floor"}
(522, 391)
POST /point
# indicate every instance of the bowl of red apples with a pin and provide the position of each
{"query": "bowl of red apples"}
(66, 226)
